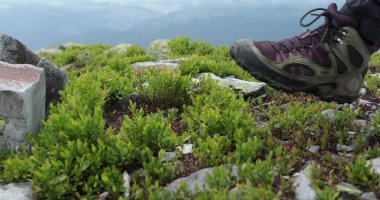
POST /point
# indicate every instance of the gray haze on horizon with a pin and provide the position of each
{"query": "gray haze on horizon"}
(41, 23)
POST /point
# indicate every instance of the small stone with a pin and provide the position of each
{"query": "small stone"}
(362, 92)
(302, 183)
(351, 134)
(345, 148)
(330, 114)
(349, 189)
(284, 106)
(360, 123)
(375, 165)
(235, 190)
(104, 196)
(169, 156)
(353, 107)
(369, 196)
(127, 184)
(314, 148)
(187, 149)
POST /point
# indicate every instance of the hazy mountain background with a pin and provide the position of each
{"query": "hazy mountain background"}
(41, 23)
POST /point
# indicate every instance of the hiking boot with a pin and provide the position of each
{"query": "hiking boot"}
(330, 61)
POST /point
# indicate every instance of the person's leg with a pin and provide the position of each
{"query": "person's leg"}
(367, 12)
(330, 61)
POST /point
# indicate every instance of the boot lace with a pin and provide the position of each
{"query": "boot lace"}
(326, 33)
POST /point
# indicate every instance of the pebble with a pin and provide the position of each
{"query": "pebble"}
(345, 148)
(302, 184)
(169, 156)
(127, 184)
(314, 148)
(369, 196)
(375, 165)
(330, 114)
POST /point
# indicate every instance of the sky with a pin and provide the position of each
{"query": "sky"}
(41, 23)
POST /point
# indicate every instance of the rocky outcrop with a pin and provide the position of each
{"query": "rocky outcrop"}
(17, 191)
(22, 103)
(14, 52)
(119, 49)
(159, 48)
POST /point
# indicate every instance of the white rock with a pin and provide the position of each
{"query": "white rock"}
(16, 191)
(302, 183)
(22, 103)
(345, 148)
(375, 165)
(127, 184)
(187, 149)
(196, 180)
(369, 196)
(246, 87)
(104, 196)
(165, 64)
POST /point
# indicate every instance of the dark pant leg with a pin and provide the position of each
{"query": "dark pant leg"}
(367, 12)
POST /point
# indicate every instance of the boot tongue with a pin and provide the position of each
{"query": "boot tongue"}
(339, 19)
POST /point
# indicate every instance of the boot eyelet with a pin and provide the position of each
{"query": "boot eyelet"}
(339, 40)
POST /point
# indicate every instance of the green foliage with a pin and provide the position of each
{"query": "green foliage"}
(360, 174)
(327, 194)
(250, 150)
(375, 60)
(151, 132)
(220, 178)
(166, 87)
(261, 173)
(372, 83)
(199, 64)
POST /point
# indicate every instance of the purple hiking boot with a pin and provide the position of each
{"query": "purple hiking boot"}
(330, 61)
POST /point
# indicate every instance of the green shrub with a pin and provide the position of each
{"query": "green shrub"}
(360, 174)
(166, 87)
(261, 173)
(375, 60)
(372, 83)
(150, 131)
(200, 64)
